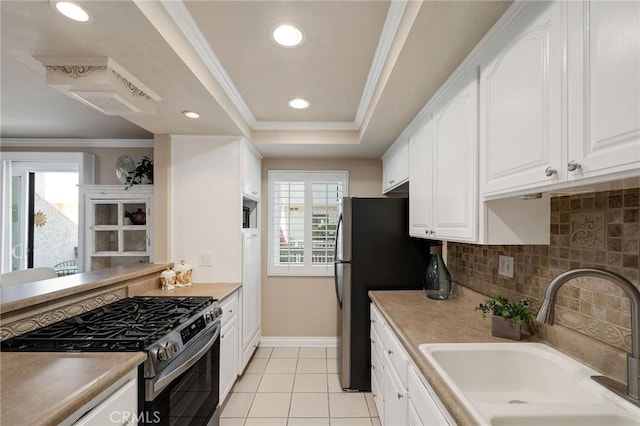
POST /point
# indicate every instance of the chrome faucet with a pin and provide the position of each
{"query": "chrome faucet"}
(545, 315)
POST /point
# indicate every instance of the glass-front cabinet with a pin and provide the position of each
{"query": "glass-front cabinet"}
(117, 225)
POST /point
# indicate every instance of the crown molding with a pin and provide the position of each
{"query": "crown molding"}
(185, 23)
(78, 143)
(380, 58)
(305, 125)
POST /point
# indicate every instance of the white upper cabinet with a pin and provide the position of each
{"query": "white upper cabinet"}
(395, 166)
(421, 183)
(560, 97)
(455, 188)
(251, 171)
(521, 138)
(604, 88)
(443, 195)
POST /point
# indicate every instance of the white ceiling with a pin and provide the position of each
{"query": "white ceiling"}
(367, 67)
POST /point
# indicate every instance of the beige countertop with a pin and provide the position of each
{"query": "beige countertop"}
(43, 388)
(30, 294)
(416, 320)
(218, 291)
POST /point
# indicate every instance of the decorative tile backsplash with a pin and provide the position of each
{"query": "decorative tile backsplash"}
(589, 230)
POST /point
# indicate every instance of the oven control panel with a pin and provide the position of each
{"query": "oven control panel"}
(192, 330)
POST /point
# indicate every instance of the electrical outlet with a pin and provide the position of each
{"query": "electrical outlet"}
(206, 258)
(505, 266)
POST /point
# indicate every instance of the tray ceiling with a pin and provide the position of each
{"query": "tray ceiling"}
(367, 67)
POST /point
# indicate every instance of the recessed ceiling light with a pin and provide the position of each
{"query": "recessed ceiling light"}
(299, 103)
(287, 35)
(72, 11)
(191, 114)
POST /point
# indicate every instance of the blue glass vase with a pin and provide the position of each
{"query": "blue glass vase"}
(437, 280)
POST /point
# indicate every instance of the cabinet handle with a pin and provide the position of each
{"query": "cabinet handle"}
(550, 171)
(572, 166)
(400, 396)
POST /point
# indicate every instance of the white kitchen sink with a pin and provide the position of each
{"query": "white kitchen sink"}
(505, 384)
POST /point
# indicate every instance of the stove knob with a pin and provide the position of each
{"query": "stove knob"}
(169, 350)
(217, 311)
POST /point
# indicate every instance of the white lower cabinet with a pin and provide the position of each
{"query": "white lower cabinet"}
(425, 405)
(229, 345)
(401, 394)
(118, 405)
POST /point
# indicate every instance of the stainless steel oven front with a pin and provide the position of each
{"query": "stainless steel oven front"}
(186, 391)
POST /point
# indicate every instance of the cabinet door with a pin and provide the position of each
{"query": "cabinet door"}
(455, 196)
(604, 87)
(421, 186)
(119, 408)
(414, 418)
(395, 396)
(423, 402)
(250, 293)
(521, 102)
(229, 357)
(395, 167)
(251, 167)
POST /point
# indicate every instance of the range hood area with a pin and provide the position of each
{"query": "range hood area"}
(101, 83)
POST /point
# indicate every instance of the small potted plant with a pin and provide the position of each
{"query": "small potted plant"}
(508, 317)
(143, 173)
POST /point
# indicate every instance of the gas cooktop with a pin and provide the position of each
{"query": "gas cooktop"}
(131, 324)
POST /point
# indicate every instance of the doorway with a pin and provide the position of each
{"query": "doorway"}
(40, 217)
(44, 217)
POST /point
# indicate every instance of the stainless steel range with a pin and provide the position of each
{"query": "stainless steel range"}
(179, 381)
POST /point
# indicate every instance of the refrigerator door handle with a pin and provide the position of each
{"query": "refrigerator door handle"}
(337, 250)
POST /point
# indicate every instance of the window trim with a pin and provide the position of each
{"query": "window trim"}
(307, 269)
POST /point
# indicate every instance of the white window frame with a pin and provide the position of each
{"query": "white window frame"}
(308, 177)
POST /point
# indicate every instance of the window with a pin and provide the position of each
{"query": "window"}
(304, 207)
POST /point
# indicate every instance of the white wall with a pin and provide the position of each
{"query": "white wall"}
(206, 206)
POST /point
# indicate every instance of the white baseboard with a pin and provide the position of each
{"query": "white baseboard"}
(308, 342)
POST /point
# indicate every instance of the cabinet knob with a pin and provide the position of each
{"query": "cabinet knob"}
(400, 396)
(392, 181)
(373, 367)
(572, 166)
(373, 321)
(550, 171)
(390, 351)
(230, 310)
(373, 341)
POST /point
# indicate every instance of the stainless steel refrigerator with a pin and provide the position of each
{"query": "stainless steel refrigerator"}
(373, 252)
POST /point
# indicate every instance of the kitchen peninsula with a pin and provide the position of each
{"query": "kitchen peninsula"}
(75, 383)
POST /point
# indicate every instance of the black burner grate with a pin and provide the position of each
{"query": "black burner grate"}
(130, 324)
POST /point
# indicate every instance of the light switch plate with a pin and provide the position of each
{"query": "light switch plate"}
(505, 266)
(206, 258)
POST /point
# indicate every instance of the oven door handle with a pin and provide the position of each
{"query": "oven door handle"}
(157, 384)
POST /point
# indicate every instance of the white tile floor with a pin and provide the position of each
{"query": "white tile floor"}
(296, 387)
